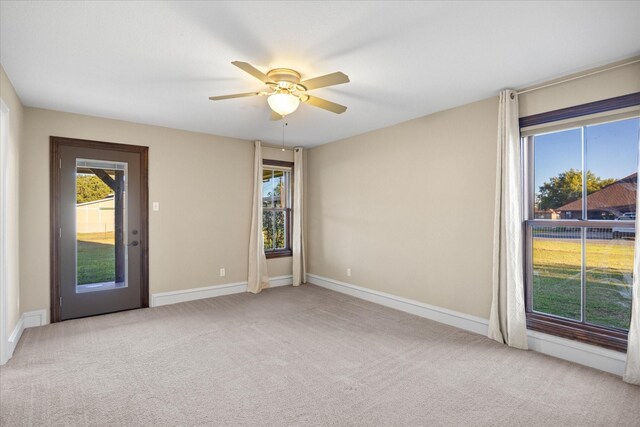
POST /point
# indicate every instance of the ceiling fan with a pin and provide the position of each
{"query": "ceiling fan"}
(285, 91)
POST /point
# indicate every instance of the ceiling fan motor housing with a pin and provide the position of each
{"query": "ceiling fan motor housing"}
(284, 75)
(286, 78)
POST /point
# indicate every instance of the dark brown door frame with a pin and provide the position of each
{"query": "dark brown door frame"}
(54, 143)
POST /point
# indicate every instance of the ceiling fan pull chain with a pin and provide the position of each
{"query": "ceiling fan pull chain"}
(283, 125)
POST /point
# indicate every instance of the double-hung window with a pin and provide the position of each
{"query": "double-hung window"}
(276, 207)
(580, 181)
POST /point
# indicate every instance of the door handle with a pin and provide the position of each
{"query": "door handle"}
(134, 243)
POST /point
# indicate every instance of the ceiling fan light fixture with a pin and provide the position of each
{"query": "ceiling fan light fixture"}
(285, 91)
(283, 103)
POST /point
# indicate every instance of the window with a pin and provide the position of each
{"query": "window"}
(580, 186)
(276, 208)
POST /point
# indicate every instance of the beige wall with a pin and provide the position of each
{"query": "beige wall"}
(275, 153)
(617, 82)
(16, 113)
(409, 208)
(209, 174)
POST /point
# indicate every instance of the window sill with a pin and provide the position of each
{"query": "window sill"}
(613, 339)
(278, 254)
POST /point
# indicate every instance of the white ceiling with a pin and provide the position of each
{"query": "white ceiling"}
(158, 62)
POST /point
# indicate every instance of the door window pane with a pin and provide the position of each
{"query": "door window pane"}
(557, 259)
(100, 225)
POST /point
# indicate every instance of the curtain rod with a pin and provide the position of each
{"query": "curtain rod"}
(578, 77)
(275, 147)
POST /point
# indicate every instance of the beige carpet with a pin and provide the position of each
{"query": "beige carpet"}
(293, 356)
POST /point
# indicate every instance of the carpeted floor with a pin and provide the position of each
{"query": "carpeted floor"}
(293, 356)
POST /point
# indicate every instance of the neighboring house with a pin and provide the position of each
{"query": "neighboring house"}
(96, 216)
(610, 202)
(548, 214)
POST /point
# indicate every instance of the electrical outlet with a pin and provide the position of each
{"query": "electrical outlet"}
(156, 206)
(348, 272)
(222, 272)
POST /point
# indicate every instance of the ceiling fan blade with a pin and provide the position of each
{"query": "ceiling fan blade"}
(237, 95)
(248, 68)
(326, 105)
(275, 116)
(332, 79)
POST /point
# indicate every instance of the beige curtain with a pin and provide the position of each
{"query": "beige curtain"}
(258, 277)
(507, 321)
(297, 244)
(632, 369)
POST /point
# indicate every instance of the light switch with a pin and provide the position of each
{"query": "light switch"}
(156, 206)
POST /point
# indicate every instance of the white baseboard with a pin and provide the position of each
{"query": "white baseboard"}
(276, 281)
(174, 297)
(573, 351)
(439, 314)
(29, 319)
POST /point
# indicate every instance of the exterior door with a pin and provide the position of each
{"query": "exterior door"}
(100, 228)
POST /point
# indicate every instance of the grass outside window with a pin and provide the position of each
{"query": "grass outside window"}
(96, 258)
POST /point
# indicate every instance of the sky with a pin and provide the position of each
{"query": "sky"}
(612, 151)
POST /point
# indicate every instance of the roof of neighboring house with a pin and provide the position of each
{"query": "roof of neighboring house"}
(621, 193)
(106, 199)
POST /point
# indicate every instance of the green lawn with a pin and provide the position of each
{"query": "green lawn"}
(96, 258)
(556, 280)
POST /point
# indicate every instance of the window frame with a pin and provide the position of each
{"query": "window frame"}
(607, 337)
(287, 251)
